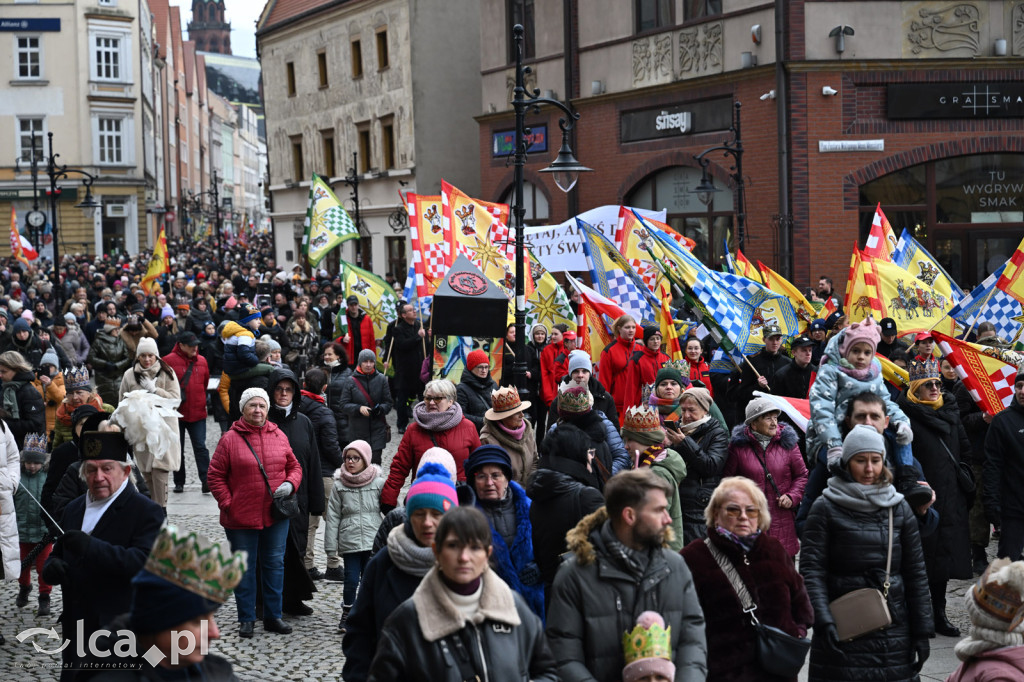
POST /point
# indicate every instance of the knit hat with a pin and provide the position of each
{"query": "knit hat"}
(701, 395)
(574, 399)
(578, 359)
(167, 312)
(475, 358)
(758, 407)
(147, 345)
(440, 456)
(366, 355)
(273, 345)
(670, 372)
(21, 325)
(250, 393)
(70, 318)
(649, 332)
(34, 449)
(185, 577)
(432, 489)
(246, 312)
(363, 449)
(642, 424)
(488, 454)
(860, 332)
(50, 358)
(996, 610)
(77, 379)
(648, 649)
(862, 438)
(505, 402)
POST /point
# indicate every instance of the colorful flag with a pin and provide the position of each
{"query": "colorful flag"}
(479, 230)
(987, 303)
(1012, 279)
(983, 370)
(882, 289)
(548, 304)
(804, 311)
(916, 260)
(893, 373)
(592, 331)
(745, 268)
(376, 296)
(421, 303)
(635, 242)
(430, 255)
(17, 249)
(327, 222)
(614, 277)
(881, 240)
(797, 409)
(669, 334)
(158, 265)
(760, 307)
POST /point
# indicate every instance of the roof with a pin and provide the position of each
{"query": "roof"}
(277, 13)
(175, 44)
(161, 13)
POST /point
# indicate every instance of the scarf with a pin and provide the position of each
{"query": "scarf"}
(693, 426)
(654, 453)
(744, 543)
(912, 395)
(60, 335)
(149, 373)
(11, 398)
(407, 555)
(668, 409)
(517, 434)
(332, 364)
(361, 479)
(860, 497)
(437, 421)
(869, 373)
(762, 439)
(366, 374)
(313, 396)
(634, 562)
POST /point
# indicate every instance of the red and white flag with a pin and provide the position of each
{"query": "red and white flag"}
(881, 240)
(797, 409)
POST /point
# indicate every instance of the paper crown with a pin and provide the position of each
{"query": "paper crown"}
(77, 378)
(681, 366)
(505, 402)
(641, 419)
(929, 369)
(196, 564)
(650, 639)
(1001, 601)
(35, 442)
(574, 399)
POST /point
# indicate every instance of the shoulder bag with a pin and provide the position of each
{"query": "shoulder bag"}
(366, 394)
(777, 652)
(281, 508)
(964, 475)
(866, 610)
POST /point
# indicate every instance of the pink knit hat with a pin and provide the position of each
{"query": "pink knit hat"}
(860, 331)
(362, 448)
(440, 456)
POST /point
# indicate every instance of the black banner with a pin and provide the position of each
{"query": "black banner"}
(956, 100)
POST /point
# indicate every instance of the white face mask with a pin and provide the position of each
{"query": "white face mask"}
(333, 363)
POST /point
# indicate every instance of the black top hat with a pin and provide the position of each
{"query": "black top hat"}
(104, 445)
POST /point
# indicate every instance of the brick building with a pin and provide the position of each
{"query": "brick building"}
(916, 106)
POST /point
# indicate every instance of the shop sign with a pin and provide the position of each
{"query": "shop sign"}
(503, 143)
(851, 146)
(956, 100)
(677, 120)
(30, 24)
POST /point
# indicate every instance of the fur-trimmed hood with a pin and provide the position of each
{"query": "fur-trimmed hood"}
(438, 616)
(786, 436)
(579, 542)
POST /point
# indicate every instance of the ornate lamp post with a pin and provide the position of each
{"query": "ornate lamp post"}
(565, 170)
(706, 189)
(213, 193)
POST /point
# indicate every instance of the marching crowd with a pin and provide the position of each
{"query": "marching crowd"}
(636, 518)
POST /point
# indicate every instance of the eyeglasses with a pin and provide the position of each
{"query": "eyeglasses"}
(483, 478)
(769, 417)
(734, 512)
(433, 398)
(932, 385)
(354, 458)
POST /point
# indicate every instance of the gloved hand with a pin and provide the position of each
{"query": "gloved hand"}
(830, 638)
(376, 411)
(529, 575)
(148, 383)
(922, 650)
(385, 508)
(834, 455)
(100, 365)
(904, 434)
(284, 490)
(75, 541)
(55, 570)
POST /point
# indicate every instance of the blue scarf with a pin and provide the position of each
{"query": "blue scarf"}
(744, 543)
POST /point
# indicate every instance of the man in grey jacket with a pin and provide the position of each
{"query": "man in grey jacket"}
(620, 567)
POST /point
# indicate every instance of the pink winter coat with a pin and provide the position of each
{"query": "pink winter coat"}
(997, 665)
(785, 464)
(235, 479)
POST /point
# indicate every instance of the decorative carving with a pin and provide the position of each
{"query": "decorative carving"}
(663, 57)
(652, 60)
(1017, 23)
(641, 61)
(529, 82)
(955, 27)
(700, 50)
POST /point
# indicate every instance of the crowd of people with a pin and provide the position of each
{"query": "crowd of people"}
(633, 518)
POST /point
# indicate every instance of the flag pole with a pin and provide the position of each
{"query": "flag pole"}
(391, 345)
(755, 370)
(984, 303)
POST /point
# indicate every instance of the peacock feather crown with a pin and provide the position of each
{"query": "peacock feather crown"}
(194, 563)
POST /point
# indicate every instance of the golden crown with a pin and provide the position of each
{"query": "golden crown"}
(651, 642)
(641, 418)
(196, 564)
(77, 378)
(505, 399)
(929, 369)
(574, 399)
(35, 442)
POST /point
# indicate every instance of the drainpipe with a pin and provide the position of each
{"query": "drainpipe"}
(784, 143)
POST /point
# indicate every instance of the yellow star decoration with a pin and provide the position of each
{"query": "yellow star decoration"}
(376, 312)
(488, 254)
(546, 308)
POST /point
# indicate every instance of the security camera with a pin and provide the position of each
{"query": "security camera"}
(829, 91)
(768, 95)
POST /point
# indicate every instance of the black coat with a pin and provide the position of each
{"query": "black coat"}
(31, 409)
(326, 433)
(793, 381)
(372, 429)
(603, 401)
(1003, 477)
(474, 396)
(406, 348)
(337, 377)
(947, 552)
(768, 366)
(705, 452)
(533, 367)
(304, 438)
(845, 550)
(974, 422)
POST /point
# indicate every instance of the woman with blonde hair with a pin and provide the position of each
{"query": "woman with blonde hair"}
(24, 405)
(614, 367)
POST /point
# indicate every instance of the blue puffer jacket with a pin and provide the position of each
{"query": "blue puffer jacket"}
(833, 389)
(239, 354)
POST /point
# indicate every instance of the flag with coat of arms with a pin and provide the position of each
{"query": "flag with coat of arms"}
(376, 297)
(987, 373)
(327, 223)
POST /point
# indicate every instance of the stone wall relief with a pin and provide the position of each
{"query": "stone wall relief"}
(652, 60)
(1017, 29)
(701, 50)
(941, 30)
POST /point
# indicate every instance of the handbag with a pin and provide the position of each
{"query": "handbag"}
(964, 476)
(387, 433)
(865, 610)
(777, 652)
(281, 508)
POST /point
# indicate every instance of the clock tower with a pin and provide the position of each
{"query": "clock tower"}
(208, 28)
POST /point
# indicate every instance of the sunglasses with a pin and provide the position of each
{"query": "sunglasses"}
(932, 385)
(734, 512)
(433, 398)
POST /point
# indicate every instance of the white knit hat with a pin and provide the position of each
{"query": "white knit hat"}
(250, 393)
(147, 345)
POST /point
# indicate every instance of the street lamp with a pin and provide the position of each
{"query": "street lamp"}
(89, 205)
(706, 188)
(352, 180)
(214, 193)
(565, 171)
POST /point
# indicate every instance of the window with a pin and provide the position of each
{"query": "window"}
(290, 68)
(382, 49)
(387, 143)
(521, 12)
(328, 145)
(364, 148)
(297, 158)
(321, 65)
(698, 9)
(111, 140)
(654, 14)
(26, 128)
(535, 203)
(108, 58)
(357, 59)
(29, 57)
(397, 262)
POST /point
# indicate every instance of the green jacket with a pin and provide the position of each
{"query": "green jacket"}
(673, 470)
(31, 527)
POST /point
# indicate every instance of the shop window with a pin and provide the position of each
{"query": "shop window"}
(521, 12)
(653, 14)
(535, 203)
(698, 9)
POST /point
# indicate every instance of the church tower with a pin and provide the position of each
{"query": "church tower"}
(208, 27)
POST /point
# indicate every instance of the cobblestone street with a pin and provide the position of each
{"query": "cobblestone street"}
(313, 650)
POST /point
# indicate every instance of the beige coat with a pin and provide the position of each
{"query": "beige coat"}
(166, 387)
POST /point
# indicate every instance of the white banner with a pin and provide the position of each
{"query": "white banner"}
(559, 247)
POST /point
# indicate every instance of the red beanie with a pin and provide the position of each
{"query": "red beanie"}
(477, 357)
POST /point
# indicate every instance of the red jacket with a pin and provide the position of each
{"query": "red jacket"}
(235, 479)
(193, 394)
(554, 364)
(613, 371)
(366, 330)
(699, 371)
(460, 441)
(643, 369)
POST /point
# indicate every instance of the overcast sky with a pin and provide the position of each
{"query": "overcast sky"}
(242, 14)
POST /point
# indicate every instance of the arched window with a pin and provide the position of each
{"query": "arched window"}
(709, 226)
(534, 201)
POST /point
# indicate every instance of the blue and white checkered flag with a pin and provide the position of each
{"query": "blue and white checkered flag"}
(615, 278)
(988, 303)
